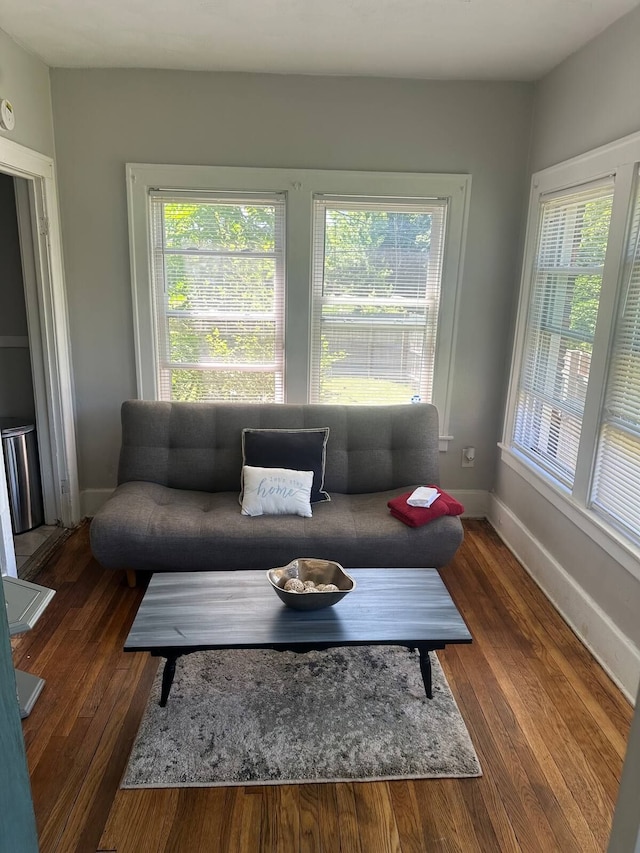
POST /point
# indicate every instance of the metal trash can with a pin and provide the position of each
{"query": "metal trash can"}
(22, 467)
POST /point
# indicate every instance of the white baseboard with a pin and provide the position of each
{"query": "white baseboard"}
(611, 648)
(92, 499)
(474, 501)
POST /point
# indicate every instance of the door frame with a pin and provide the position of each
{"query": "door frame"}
(47, 318)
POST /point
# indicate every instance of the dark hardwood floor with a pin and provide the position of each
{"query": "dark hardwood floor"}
(549, 726)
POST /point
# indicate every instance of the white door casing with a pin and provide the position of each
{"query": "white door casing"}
(48, 331)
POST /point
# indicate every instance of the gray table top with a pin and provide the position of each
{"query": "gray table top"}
(207, 610)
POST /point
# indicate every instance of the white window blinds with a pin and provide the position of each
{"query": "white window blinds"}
(563, 309)
(376, 280)
(218, 280)
(616, 487)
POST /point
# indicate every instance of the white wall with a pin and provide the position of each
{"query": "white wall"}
(24, 80)
(589, 100)
(105, 118)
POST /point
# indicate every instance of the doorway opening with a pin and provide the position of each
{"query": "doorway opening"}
(18, 426)
(36, 398)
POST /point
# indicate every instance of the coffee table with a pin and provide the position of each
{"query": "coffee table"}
(185, 612)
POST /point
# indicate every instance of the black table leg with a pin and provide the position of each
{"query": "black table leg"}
(167, 678)
(425, 669)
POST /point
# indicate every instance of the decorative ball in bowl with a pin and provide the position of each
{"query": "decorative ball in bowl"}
(308, 583)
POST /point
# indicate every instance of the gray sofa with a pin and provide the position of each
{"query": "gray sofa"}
(176, 505)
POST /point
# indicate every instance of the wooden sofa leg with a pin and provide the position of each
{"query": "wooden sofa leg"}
(132, 579)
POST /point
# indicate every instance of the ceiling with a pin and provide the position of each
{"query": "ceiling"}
(434, 39)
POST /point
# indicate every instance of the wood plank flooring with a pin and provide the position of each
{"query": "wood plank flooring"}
(549, 726)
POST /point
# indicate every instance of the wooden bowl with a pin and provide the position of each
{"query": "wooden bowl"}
(316, 570)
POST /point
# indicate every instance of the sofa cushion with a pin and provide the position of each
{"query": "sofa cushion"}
(198, 445)
(276, 491)
(153, 527)
(298, 449)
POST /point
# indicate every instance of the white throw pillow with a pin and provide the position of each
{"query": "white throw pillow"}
(276, 491)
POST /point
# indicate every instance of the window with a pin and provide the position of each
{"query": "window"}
(616, 488)
(573, 414)
(563, 309)
(294, 285)
(218, 280)
(377, 269)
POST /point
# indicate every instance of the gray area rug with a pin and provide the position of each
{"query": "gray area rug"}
(256, 717)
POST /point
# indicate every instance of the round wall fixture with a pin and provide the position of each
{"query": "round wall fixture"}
(7, 116)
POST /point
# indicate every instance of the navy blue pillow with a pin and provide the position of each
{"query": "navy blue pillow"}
(299, 449)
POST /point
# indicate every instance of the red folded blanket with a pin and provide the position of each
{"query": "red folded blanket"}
(416, 516)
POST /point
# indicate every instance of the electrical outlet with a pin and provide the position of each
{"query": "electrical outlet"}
(468, 457)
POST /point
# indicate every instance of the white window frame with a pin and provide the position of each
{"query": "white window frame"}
(618, 159)
(161, 252)
(562, 466)
(300, 186)
(428, 329)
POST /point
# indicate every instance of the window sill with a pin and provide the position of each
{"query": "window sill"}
(606, 537)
